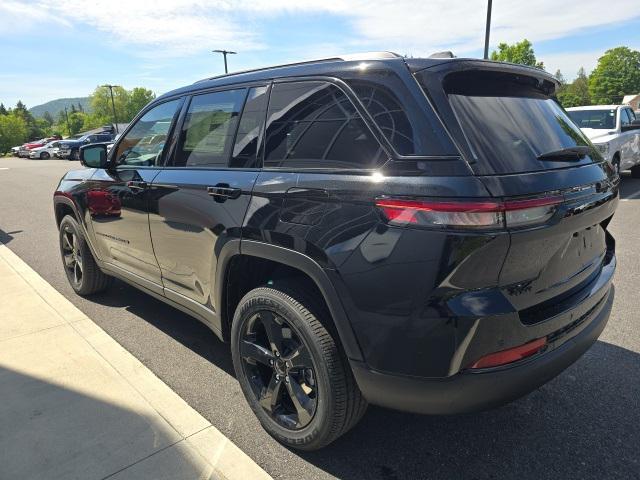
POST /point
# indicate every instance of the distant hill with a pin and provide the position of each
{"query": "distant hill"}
(54, 106)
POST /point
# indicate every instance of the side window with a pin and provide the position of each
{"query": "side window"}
(144, 143)
(314, 125)
(631, 113)
(245, 149)
(209, 128)
(624, 117)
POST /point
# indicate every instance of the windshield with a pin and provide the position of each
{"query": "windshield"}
(510, 124)
(600, 119)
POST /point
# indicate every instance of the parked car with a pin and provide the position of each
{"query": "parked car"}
(70, 147)
(429, 235)
(25, 149)
(615, 131)
(46, 151)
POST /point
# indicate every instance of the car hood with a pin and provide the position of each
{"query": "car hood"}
(599, 135)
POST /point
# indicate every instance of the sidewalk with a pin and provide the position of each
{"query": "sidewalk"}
(75, 404)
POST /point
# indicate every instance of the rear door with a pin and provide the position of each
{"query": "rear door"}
(199, 199)
(523, 146)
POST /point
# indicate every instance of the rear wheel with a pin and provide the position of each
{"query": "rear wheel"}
(291, 369)
(83, 273)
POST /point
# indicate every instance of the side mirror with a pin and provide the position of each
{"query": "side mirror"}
(93, 156)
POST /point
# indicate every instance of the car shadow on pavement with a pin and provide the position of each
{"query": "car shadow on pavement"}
(181, 327)
(583, 424)
(629, 187)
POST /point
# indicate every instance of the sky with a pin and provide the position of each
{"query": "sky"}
(65, 48)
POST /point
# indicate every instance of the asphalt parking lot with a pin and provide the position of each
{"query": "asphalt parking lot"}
(583, 424)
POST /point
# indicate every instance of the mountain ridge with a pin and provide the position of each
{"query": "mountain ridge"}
(55, 106)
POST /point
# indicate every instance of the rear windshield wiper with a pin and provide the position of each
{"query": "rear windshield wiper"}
(566, 154)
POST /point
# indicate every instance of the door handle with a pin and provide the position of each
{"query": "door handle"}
(135, 185)
(223, 191)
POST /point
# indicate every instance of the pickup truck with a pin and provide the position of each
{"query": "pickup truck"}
(615, 131)
(70, 147)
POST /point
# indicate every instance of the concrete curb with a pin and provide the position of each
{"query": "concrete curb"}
(30, 297)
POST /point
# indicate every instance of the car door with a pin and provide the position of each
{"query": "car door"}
(627, 136)
(634, 134)
(198, 201)
(118, 199)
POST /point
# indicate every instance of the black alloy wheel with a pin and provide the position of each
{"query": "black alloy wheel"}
(280, 370)
(289, 362)
(81, 269)
(71, 255)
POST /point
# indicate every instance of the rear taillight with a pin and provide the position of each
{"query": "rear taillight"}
(510, 355)
(489, 214)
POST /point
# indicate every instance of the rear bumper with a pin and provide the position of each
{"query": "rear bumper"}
(482, 389)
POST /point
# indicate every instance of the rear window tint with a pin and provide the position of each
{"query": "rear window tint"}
(508, 122)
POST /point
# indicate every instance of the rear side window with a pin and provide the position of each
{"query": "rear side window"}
(508, 123)
(246, 147)
(208, 129)
(315, 125)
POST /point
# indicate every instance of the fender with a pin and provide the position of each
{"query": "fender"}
(65, 198)
(300, 262)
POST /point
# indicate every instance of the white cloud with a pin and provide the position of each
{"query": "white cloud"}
(185, 27)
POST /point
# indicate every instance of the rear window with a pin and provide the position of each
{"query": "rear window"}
(509, 122)
(596, 118)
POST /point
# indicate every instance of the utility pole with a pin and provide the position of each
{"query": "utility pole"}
(486, 34)
(113, 105)
(66, 116)
(224, 54)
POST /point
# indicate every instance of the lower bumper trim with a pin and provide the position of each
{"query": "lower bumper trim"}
(474, 391)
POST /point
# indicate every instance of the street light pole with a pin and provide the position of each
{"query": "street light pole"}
(113, 105)
(224, 54)
(486, 34)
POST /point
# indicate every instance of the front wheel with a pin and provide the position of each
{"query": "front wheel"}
(291, 370)
(44, 155)
(83, 273)
(75, 155)
(635, 171)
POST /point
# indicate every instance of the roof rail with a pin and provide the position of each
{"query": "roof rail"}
(346, 58)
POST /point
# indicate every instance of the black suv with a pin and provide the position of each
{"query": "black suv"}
(70, 147)
(428, 234)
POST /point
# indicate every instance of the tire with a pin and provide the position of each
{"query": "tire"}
(84, 275)
(319, 375)
(635, 171)
(74, 155)
(616, 164)
(45, 155)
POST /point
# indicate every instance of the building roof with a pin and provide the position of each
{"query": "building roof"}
(629, 98)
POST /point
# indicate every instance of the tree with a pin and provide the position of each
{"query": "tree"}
(560, 77)
(48, 118)
(521, 52)
(73, 108)
(76, 122)
(13, 131)
(80, 107)
(3, 110)
(138, 98)
(616, 75)
(576, 93)
(101, 104)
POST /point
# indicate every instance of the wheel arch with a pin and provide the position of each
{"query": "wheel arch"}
(288, 260)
